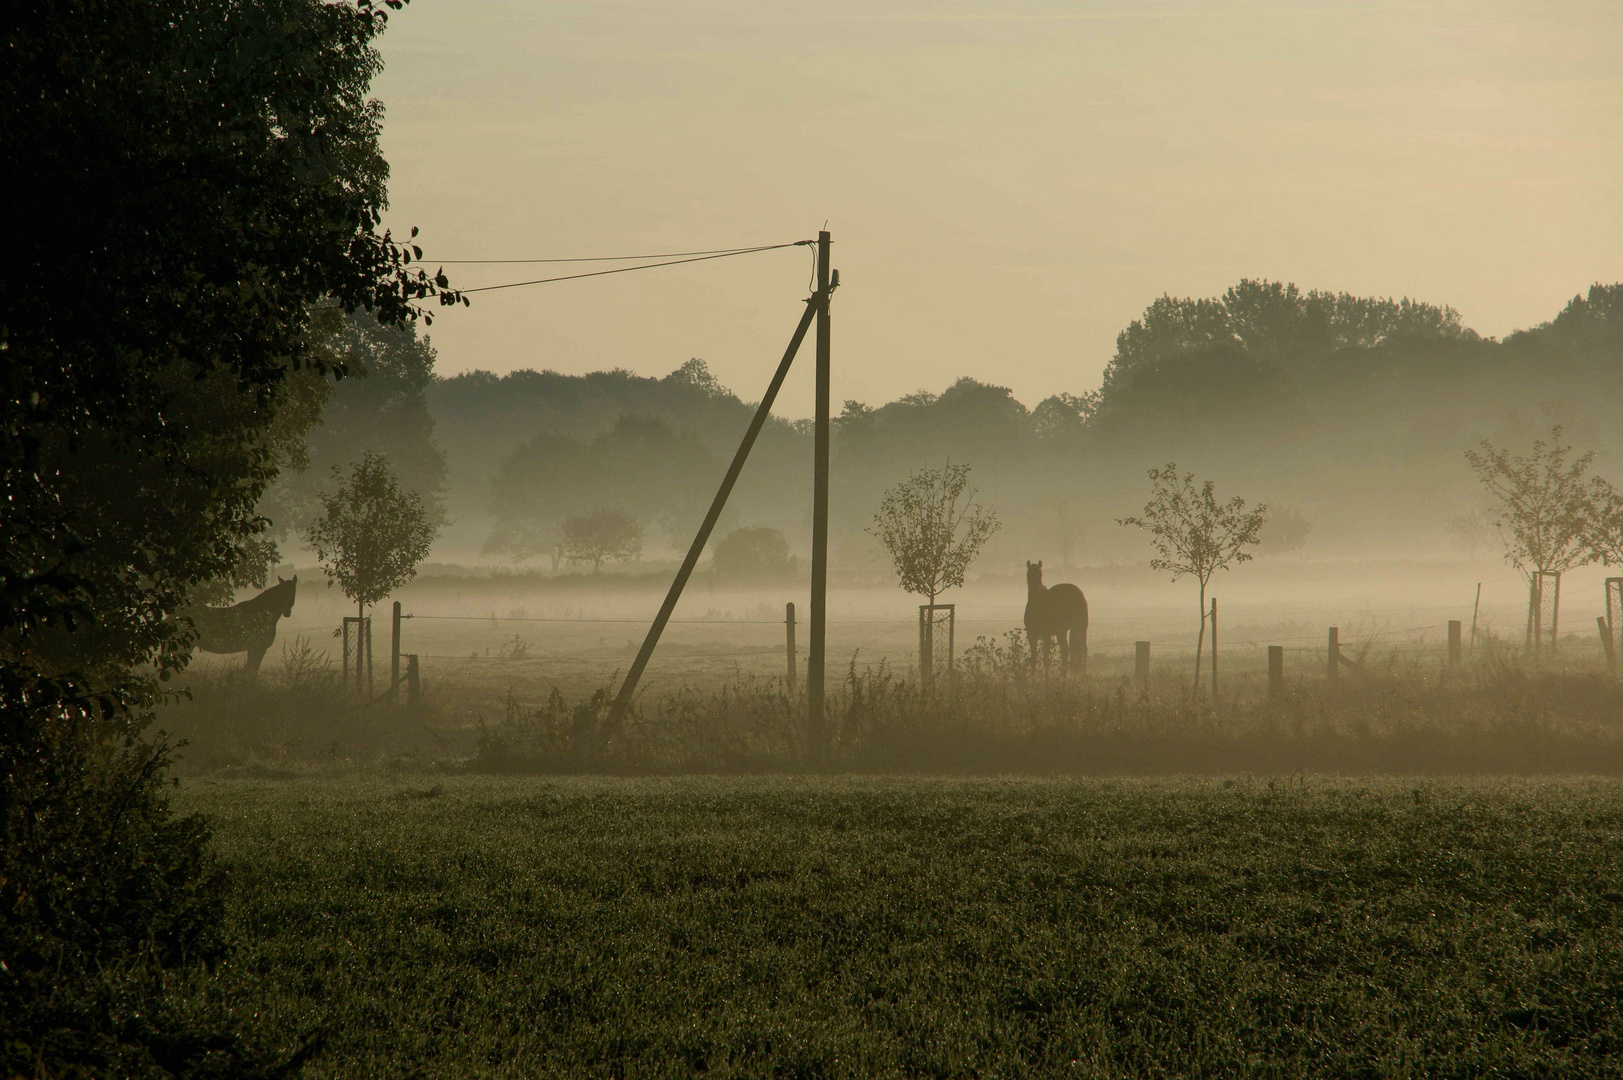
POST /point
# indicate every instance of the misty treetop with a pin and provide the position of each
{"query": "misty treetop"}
(641, 464)
(379, 407)
(1335, 404)
(1276, 320)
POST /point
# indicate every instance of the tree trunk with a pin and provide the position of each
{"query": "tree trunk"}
(1200, 642)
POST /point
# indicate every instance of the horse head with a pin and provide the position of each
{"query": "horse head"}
(288, 588)
(1034, 575)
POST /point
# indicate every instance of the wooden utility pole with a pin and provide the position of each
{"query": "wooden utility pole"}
(814, 306)
(819, 568)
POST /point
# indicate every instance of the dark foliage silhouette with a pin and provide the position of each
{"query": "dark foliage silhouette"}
(201, 179)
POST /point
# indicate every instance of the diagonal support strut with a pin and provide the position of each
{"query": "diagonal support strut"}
(814, 304)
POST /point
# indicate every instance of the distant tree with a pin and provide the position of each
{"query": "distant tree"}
(1170, 325)
(696, 374)
(1063, 416)
(380, 406)
(1195, 534)
(371, 533)
(602, 535)
(1544, 505)
(1270, 320)
(658, 474)
(754, 554)
(933, 529)
(1287, 530)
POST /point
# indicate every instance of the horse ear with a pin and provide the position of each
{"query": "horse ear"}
(1039, 564)
(280, 580)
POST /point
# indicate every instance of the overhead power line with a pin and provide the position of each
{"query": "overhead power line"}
(618, 258)
(629, 269)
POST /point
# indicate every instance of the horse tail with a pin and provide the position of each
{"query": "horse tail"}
(1079, 634)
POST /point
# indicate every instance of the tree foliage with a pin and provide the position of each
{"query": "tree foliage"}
(1193, 533)
(605, 534)
(641, 462)
(1544, 503)
(933, 528)
(201, 177)
(372, 533)
(380, 406)
(754, 554)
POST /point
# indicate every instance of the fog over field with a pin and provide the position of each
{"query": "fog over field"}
(972, 538)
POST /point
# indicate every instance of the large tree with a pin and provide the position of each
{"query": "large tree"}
(199, 178)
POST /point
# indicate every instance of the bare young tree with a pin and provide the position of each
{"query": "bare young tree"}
(1544, 506)
(933, 528)
(1195, 534)
(602, 535)
(371, 534)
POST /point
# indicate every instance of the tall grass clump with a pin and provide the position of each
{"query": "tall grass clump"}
(296, 711)
(996, 714)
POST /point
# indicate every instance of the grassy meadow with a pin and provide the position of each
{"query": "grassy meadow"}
(417, 924)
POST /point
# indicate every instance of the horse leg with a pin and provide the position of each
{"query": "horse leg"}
(1064, 652)
(256, 656)
(1079, 647)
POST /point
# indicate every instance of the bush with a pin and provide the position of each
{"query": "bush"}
(110, 904)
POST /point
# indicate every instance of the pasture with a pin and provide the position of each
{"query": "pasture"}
(495, 650)
(426, 925)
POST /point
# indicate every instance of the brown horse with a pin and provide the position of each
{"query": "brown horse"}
(248, 627)
(1058, 612)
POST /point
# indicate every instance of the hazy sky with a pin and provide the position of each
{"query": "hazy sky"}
(1007, 184)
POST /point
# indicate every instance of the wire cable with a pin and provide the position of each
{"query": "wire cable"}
(617, 258)
(629, 269)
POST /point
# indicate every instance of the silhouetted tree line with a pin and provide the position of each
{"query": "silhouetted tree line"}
(1307, 396)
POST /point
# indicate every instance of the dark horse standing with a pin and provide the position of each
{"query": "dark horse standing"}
(248, 627)
(1059, 612)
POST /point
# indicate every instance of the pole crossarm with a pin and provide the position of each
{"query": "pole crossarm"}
(814, 305)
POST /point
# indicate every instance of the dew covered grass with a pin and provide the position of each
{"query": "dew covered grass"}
(817, 926)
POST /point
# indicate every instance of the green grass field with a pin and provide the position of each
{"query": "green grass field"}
(807, 926)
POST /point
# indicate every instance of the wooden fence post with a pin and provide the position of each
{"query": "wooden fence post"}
(926, 643)
(789, 634)
(1606, 642)
(1454, 633)
(1214, 649)
(1276, 671)
(1141, 662)
(1333, 668)
(394, 655)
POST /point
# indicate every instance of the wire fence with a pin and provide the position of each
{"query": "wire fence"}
(1241, 632)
